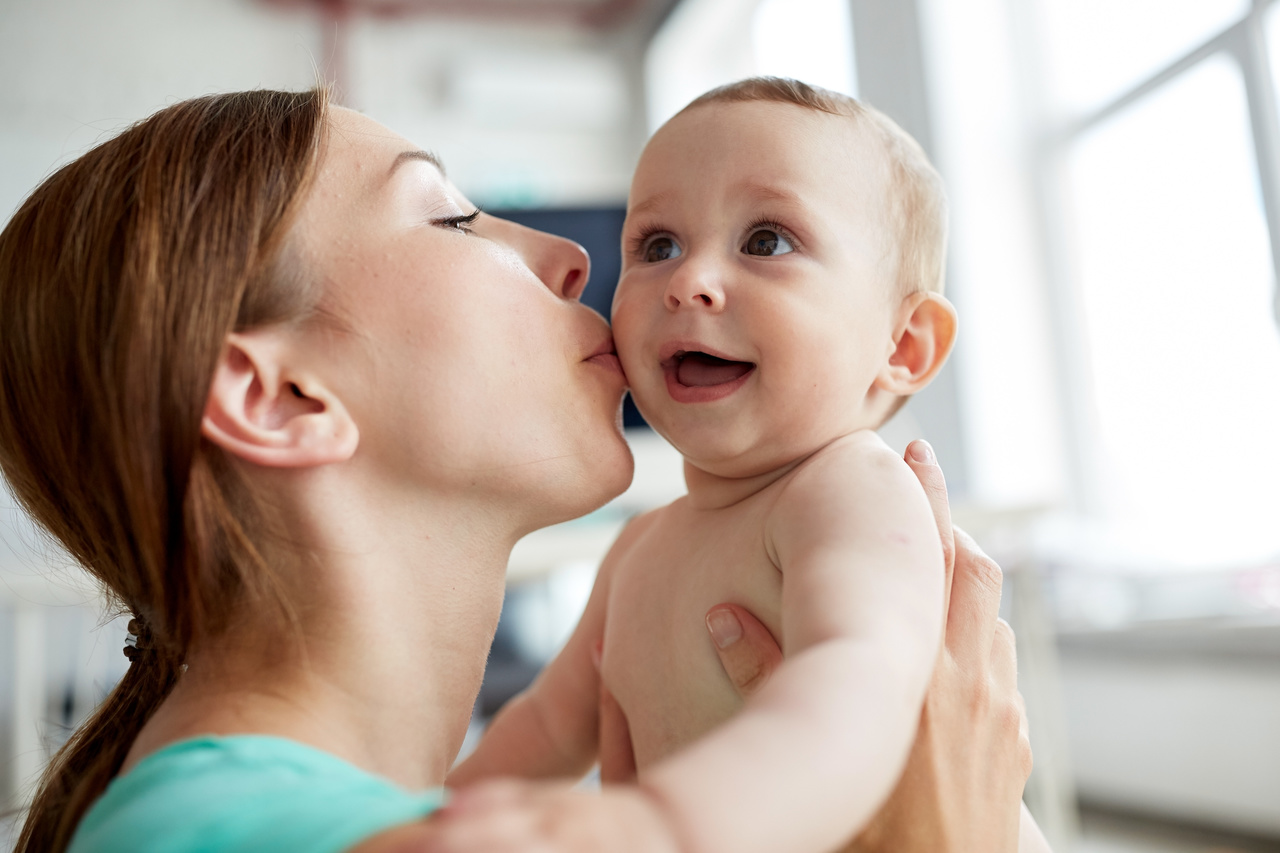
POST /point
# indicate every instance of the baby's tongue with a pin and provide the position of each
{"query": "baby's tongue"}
(699, 369)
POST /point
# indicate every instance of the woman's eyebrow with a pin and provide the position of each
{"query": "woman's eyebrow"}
(405, 156)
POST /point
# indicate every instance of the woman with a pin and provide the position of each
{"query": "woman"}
(270, 378)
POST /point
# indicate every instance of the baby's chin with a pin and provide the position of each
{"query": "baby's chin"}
(749, 453)
(742, 447)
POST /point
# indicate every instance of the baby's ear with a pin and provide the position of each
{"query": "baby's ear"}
(263, 410)
(922, 340)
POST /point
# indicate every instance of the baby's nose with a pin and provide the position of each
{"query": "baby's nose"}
(690, 287)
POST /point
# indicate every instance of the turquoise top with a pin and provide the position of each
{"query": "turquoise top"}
(246, 793)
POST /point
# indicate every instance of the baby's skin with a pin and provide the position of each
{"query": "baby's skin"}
(764, 333)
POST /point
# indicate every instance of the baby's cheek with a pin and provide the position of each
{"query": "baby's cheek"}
(622, 304)
(627, 331)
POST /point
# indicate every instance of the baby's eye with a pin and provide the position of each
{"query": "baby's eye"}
(661, 249)
(766, 242)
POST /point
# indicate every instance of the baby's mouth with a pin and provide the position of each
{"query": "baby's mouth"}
(700, 370)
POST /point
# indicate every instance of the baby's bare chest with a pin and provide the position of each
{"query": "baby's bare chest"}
(659, 660)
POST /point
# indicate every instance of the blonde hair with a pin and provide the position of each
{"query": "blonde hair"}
(918, 202)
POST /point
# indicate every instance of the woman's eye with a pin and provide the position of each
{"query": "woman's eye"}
(458, 223)
(766, 242)
(661, 249)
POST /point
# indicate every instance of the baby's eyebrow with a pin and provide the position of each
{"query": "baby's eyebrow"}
(649, 203)
(767, 192)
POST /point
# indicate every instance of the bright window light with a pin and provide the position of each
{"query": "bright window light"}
(1272, 23)
(703, 44)
(810, 40)
(1173, 262)
(707, 43)
(1013, 436)
(1096, 49)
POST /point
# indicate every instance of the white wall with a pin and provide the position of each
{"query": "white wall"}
(1196, 738)
(521, 113)
(707, 43)
(1010, 402)
(521, 116)
(76, 70)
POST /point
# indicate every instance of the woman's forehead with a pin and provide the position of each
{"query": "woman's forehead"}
(365, 168)
(359, 148)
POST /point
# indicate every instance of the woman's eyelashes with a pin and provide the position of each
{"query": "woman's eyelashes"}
(458, 223)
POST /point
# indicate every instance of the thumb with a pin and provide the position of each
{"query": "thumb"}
(748, 652)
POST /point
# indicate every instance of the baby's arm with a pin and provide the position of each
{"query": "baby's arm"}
(818, 749)
(551, 728)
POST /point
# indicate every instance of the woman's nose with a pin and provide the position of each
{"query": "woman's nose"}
(562, 265)
(693, 286)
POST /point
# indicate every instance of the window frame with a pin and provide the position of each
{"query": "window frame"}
(1052, 138)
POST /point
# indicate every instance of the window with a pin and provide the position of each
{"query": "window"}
(707, 43)
(1152, 148)
(810, 40)
(1098, 49)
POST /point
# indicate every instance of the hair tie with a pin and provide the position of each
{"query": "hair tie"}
(138, 642)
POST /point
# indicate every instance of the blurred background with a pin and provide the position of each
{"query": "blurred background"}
(1109, 423)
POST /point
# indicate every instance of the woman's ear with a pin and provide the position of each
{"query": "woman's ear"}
(923, 338)
(263, 412)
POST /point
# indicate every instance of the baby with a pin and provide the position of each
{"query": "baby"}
(779, 300)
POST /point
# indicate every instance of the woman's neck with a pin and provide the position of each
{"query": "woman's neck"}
(394, 618)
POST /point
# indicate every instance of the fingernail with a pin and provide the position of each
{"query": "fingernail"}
(724, 627)
(597, 653)
(922, 452)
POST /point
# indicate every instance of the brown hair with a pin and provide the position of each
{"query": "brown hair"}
(918, 205)
(120, 279)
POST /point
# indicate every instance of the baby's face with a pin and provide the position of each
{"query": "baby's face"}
(756, 304)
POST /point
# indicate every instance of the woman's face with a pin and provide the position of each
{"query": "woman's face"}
(470, 365)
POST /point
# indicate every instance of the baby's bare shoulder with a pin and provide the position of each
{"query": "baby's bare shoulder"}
(852, 485)
(639, 524)
(646, 522)
(631, 533)
(849, 464)
(635, 532)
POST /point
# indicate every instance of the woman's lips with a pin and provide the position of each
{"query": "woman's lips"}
(608, 360)
(698, 377)
(606, 355)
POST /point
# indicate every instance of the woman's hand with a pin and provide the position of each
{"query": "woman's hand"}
(962, 787)
(531, 817)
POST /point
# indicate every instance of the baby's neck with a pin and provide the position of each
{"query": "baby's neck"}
(712, 491)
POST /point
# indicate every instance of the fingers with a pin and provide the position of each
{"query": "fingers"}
(974, 604)
(1004, 657)
(522, 817)
(1004, 679)
(748, 652)
(493, 816)
(922, 462)
(1025, 757)
(484, 797)
(1024, 729)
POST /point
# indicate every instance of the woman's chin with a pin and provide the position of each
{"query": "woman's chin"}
(617, 479)
(606, 475)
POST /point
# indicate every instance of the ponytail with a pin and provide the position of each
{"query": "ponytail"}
(79, 773)
(120, 279)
